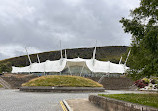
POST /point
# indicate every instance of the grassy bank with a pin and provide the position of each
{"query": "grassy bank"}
(144, 99)
(67, 81)
(1, 86)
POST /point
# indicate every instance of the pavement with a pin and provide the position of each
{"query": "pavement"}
(85, 105)
(15, 100)
(82, 105)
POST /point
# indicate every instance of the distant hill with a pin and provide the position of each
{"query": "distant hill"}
(111, 53)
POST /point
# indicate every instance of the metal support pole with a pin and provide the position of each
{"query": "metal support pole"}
(127, 57)
(60, 72)
(120, 60)
(69, 69)
(28, 56)
(109, 67)
(44, 69)
(38, 59)
(82, 69)
(65, 54)
(29, 60)
(61, 50)
(94, 53)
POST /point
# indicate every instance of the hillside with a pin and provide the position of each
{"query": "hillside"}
(111, 53)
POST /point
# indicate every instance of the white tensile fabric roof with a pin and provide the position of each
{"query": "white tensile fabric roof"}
(93, 65)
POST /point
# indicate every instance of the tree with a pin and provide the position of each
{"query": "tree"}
(143, 26)
(5, 67)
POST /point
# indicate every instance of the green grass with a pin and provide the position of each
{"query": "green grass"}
(144, 99)
(1, 86)
(67, 81)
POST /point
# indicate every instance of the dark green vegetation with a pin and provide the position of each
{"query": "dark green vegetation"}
(112, 53)
(67, 81)
(5, 67)
(144, 99)
(143, 26)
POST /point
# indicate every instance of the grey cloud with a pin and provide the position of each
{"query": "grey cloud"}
(78, 23)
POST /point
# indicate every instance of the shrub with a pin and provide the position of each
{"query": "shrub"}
(140, 83)
(146, 80)
(156, 86)
(153, 81)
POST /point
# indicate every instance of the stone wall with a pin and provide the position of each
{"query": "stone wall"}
(112, 83)
(109, 104)
(61, 89)
(16, 82)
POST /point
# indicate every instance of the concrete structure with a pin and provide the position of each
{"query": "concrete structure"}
(61, 89)
(109, 104)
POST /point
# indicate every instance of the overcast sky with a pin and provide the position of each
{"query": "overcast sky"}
(41, 24)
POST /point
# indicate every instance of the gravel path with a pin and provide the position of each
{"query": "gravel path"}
(14, 100)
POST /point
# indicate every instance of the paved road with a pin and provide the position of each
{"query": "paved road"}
(14, 100)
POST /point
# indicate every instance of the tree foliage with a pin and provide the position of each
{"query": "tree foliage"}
(5, 67)
(143, 26)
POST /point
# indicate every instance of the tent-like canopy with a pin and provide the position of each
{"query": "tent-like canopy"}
(93, 65)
